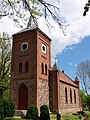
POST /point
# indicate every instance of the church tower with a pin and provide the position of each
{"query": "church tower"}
(31, 61)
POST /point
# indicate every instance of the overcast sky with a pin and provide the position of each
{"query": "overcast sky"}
(72, 12)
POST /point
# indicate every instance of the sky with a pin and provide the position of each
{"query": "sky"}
(71, 49)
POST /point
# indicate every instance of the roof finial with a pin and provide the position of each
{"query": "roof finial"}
(32, 22)
(55, 64)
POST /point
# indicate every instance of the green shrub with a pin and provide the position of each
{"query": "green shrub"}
(80, 116)
(32, 113)
(88, 102)
(1, 92)
(88, 114)
(44, 113)
(85, 109)
(9, 108)
(1, 109)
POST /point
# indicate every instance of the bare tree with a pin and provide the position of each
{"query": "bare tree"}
(21, 11)
(86, 8)
(83, 72)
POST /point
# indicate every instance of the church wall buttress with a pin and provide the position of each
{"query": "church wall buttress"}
(53, 91)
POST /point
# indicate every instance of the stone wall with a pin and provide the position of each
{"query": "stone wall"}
(43, 92)
(69, 107)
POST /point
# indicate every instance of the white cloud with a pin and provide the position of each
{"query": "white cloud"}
(79, 26)
(70, 64)
(78, 29)
(75, 65)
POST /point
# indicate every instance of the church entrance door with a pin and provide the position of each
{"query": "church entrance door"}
(23, 97)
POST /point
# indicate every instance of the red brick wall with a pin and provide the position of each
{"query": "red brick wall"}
(34, 79)
(54, 91)
(42, 88)
(57, 96)
(69, 107)
(42, 79)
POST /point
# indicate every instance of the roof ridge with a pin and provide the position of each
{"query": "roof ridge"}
(69, 79)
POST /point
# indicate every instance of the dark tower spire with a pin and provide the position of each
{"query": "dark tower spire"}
(32, 22)
(55, 65)
(76, 78)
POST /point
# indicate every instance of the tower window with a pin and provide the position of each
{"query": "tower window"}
(70, 95)
(42, 68)
(20, 67)
(45, 69)
(66, 98)
(24, 46)
(43, 48)
(26, 67)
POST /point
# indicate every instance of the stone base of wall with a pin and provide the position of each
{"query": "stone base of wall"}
(43, 93)
(69, 111)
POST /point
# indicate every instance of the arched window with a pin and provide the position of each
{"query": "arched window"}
(70, 95)
(20, 67)
(66, 98)
(45, 69)
(74, 96)
(42, 68)
(26, 67)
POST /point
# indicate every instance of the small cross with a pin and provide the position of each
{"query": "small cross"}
(55, 59)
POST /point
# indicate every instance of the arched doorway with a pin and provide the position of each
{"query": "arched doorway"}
(23, 97)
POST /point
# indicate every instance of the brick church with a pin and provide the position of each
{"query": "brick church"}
(34, 81)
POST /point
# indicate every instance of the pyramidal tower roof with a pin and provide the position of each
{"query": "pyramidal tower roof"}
(32, 24)
(76, 79)
(55, 66)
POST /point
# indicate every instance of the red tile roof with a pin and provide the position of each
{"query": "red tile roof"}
(66, 79)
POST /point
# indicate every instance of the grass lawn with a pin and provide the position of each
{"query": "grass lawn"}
(65, 117)
(53, 117)
(70, 117)
(10, 118)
